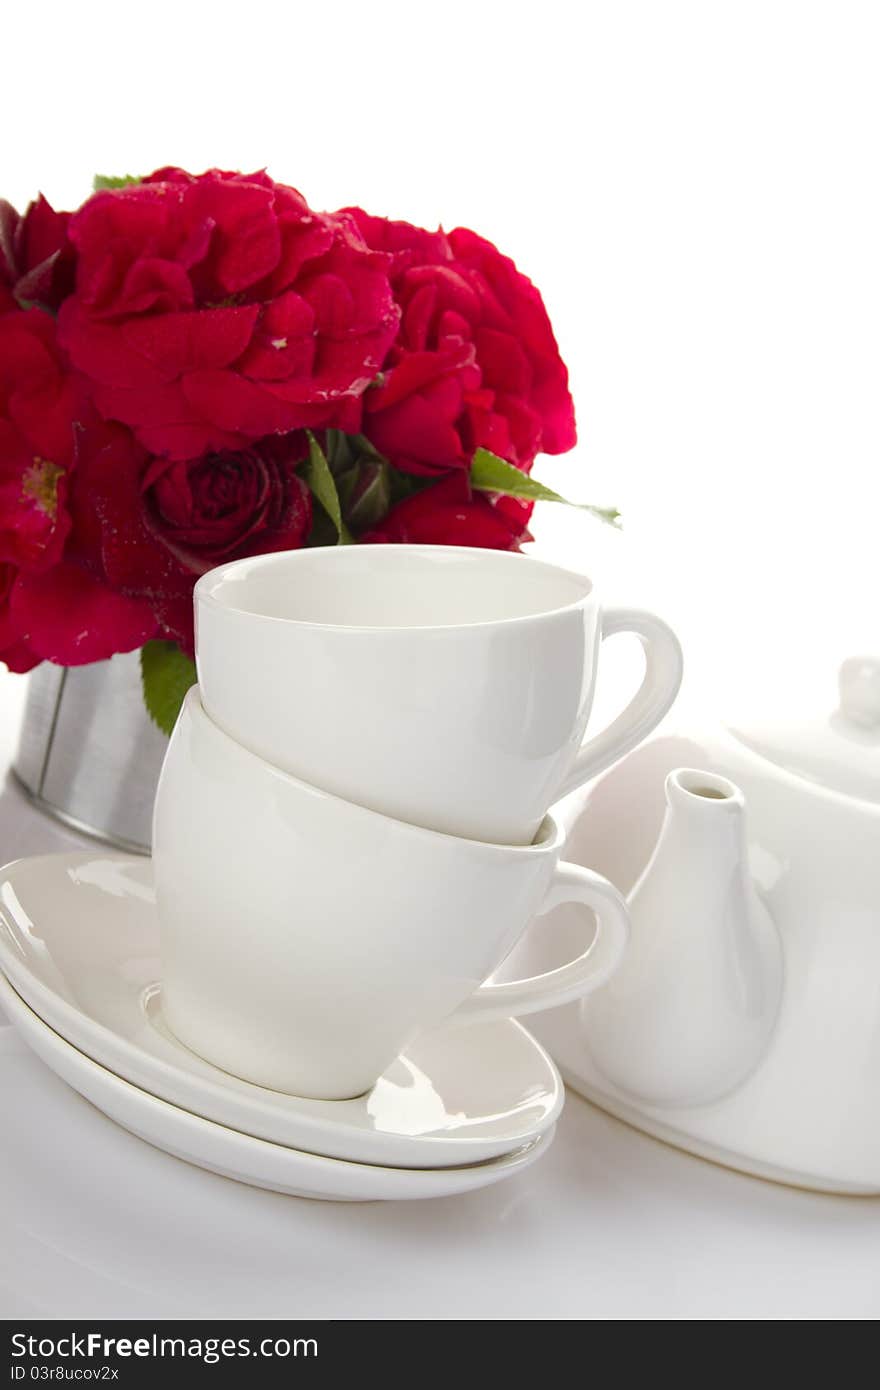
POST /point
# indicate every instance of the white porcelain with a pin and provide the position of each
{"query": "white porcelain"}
(306, 941)
(809, 1113)
(838, 749)
(79, 941)
(240, 1156)
(445, 686)
(690, 1012)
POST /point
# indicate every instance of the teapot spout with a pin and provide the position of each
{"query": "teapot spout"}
(691, 1010)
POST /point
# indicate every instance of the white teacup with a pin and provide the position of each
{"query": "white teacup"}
(307, 940)
(444, 686)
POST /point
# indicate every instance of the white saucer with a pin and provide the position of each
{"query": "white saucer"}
(239, 1156)
(79, 942)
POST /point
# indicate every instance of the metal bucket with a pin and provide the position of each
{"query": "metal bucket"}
(89, 754)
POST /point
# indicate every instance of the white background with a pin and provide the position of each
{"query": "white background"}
(692, 185)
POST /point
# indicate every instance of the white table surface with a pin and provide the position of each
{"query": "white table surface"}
(95, 1223)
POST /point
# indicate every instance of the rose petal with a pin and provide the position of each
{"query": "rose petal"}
(246, 245)
(46, 416)
(174, 616)
(9, 220)
(449, 514)
(406, 244)
(304, 238)
(205, 339)
(420, 432)
(18, 657)
(417, 370)
(165, 404)
(100, 351)
(283, 343)
(154, 285)
(72, 618)
(238, 405)
(188, 441)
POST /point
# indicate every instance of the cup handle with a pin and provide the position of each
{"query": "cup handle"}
(652, 700)
(570, 883)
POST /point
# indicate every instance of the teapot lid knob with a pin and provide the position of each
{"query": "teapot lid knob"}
(859, 684)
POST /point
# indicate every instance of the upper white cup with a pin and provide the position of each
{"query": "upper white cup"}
(445, 686)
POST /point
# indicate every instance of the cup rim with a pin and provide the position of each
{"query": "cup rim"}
(550, 830)
(205, 589)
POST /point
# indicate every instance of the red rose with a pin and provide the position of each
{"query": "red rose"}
(38, 408)
(211, 312)
(149, 527)
(70, 613)
(36, 258)
(475, 361)
(226, 505)
(51, 606)
(451, 513)
(75, 613)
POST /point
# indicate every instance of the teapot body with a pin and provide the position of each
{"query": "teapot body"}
(808, 1114)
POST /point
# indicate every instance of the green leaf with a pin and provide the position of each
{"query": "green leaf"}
(370, 501)
(340, 455)
(103, 181)
(405, 485)
(364, 449)
(322, 531)
(166, 676)
(489, 473)
(346, 482)
(316, 471)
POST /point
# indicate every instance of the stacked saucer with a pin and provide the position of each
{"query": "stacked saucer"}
(463, 1108)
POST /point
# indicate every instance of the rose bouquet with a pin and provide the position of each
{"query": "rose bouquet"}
(197, 368)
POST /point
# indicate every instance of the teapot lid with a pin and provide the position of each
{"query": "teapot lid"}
(839, 750)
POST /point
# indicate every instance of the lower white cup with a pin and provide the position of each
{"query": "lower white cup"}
(307, 940)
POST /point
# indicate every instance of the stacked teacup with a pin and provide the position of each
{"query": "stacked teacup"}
(352, 825)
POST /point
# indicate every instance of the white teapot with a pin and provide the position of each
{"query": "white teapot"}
(806, 1110)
